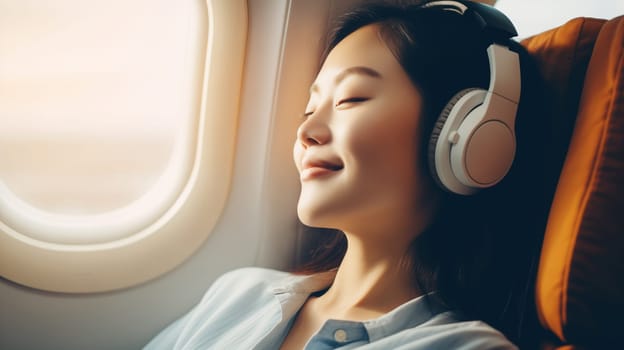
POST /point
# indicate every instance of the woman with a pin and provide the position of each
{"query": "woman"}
(412, 266)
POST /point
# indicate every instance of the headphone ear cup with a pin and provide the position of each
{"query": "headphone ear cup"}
(435, 134)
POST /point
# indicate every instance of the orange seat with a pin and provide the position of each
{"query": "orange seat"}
(580, 280)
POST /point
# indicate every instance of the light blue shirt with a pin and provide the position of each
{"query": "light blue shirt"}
(254, 308)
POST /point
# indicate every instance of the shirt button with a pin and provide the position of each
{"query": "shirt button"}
(340, 335)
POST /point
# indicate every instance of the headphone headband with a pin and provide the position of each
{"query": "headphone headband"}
(491, 21)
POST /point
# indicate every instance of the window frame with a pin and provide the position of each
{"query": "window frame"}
(180, 231)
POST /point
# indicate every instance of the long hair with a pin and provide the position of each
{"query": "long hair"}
(480, 252)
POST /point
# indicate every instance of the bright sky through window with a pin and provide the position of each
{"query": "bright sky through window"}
(90, 116)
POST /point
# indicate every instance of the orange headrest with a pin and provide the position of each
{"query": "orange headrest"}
(580, 283)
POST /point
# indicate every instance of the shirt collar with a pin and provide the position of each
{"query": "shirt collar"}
(304, 284)
(294, 290)
(410, 314)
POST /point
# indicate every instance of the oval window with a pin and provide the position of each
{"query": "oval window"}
(110, 115)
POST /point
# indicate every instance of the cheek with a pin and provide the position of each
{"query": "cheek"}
(384, 152)
(388, 136)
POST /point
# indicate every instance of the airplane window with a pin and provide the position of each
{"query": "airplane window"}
(98, 104)
(107, 114)
(535, 16)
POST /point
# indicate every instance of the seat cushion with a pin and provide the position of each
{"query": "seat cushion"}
(580, 284)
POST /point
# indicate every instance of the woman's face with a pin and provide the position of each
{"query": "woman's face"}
(357, 151)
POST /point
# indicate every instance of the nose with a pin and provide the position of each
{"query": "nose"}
(313, 131)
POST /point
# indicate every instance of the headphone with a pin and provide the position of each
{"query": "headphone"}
(473, 142)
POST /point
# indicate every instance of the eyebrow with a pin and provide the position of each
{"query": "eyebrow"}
(358, 70)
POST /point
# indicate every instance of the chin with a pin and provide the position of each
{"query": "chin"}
(314, 217)
(306, 217)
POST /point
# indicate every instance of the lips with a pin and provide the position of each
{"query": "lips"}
(314, 168)
(321, 164)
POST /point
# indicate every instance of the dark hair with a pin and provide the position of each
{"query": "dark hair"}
(480, 252)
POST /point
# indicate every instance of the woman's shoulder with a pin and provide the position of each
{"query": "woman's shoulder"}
(228, 312)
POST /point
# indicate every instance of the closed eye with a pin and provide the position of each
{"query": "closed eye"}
(351, 100)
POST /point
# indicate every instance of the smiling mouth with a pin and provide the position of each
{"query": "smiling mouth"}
(319, 169)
